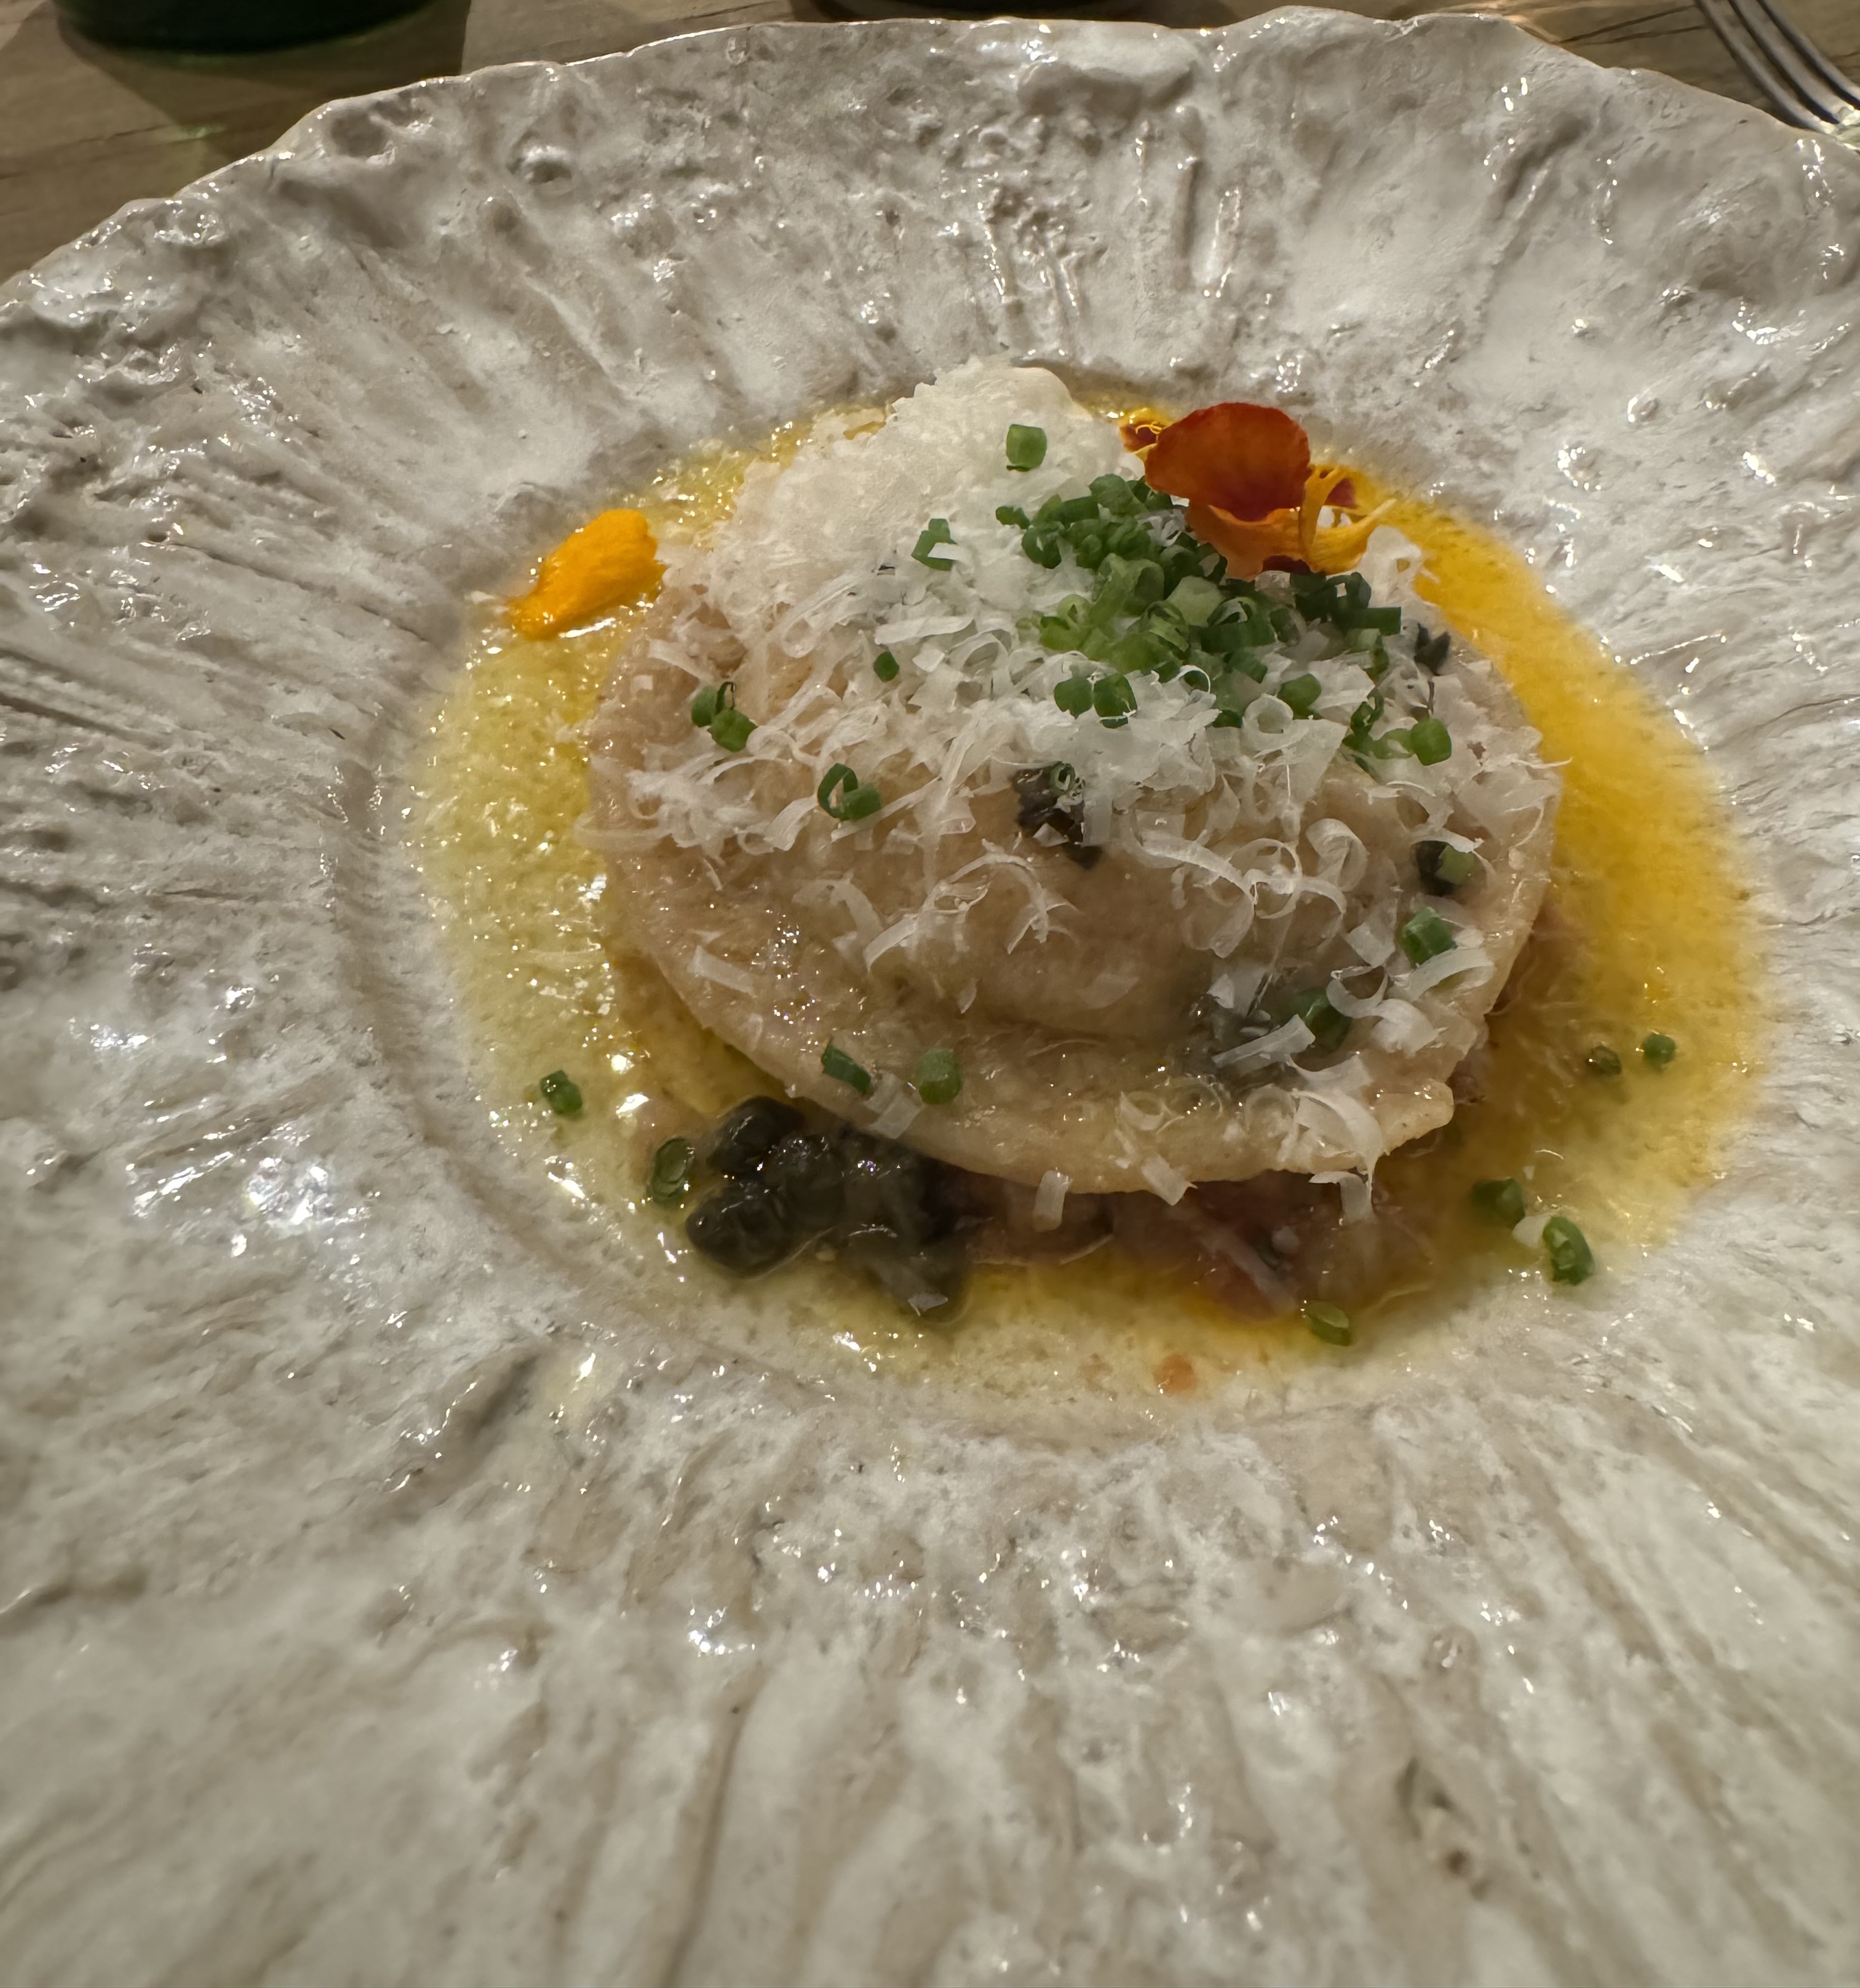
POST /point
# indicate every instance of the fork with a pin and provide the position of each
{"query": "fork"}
(1798, 79)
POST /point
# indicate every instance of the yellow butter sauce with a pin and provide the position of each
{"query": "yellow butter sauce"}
(1647, 927)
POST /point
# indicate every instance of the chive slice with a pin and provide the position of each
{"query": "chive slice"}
(1043, 547)
(1194, 599)
(1068, 624)
(1443, 867)
(1077, 510)
(1026, 447)
(934, 534)
(1658, 1050)
(561, 1094)
(714, 710)
(1603, 1061)
(1112, 699)
(1112, 495)
(670, 1179)
(1571, 1258)
(1012, 514)
(845, 796)
(841, 1068)
(884, 666)
(1073, 695)
(1426, 935)
(937, 1077)
(1194, 679)
(1429, 741)
(1328, 1028)
(1328, 1322)
(1302, 694)
(731, 728)
(1499, 1201)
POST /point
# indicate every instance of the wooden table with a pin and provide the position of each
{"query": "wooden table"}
(84, 128)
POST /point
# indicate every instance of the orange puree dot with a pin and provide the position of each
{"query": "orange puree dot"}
(1175, 1374)
(611, 561)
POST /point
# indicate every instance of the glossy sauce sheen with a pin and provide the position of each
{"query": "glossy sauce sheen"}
(1647, 928)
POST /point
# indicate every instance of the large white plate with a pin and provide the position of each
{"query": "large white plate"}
(401, 1599)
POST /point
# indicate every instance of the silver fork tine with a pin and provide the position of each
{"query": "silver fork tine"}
(1843, 90)
(1766, 49)
(1780, 43)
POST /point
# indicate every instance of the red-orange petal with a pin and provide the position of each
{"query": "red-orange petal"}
(1241, 458)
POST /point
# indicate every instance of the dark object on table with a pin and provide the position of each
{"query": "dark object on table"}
(226, 24)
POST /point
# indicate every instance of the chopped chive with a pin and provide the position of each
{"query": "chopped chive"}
(1431, 651)
(1112, 699)
(731, 728)
(1043, 547)
(1068, 624)
(1193, 679)
(1077, 510)
(884, 666)
(1426, 935)
(1012, 514)
(1443, 867)
(714, 710)
(1302, 694)
(561, 1094)
(1571, 1258)
(841, 1068)
(1026, 447)
(845, 796)
(937, 1077)
(1429, 742)
(1499, 1201)
(671, 1176)
(1658, 1050)
(1073, 695)
(1328, 1028)
(1328, 1322)
(934, 534)
(1089, 548)
(1112, 495)
(1194, 599)
(1604, 1061)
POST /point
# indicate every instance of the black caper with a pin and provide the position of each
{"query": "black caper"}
(1046, 802)
(804, 1170)
(1431, 651)
(736, 1144)
(744, 1227)
(890, 1186)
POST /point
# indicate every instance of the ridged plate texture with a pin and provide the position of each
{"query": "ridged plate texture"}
(397, 1588)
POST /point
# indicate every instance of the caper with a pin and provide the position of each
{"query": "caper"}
(740, 1139)
(744, 1227)
(804, 1170)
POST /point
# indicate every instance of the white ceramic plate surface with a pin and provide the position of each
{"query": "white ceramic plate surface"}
(396, 1589)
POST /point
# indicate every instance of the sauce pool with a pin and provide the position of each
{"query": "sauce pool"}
(1647, 928)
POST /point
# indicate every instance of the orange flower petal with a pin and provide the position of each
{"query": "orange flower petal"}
(1246, 544)
(1141, 428)
(1236, 456)
(611, 561)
